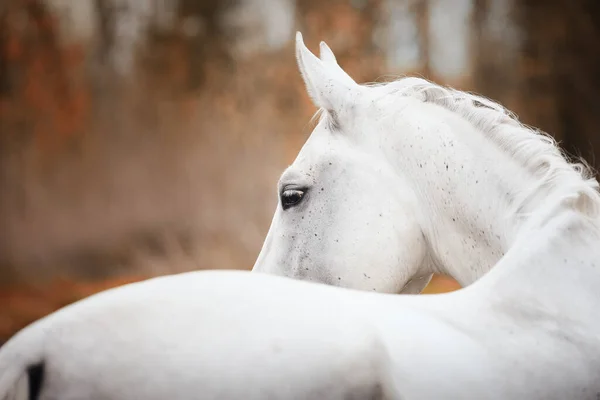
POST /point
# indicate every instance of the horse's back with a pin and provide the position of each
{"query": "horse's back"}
(246, 335)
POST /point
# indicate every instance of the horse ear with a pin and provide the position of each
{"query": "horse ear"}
(324, 86)
(329, 59)
(326, 54)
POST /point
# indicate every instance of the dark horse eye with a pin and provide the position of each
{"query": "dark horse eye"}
(291, 197)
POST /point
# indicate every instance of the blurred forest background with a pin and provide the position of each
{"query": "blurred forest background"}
(145, 137)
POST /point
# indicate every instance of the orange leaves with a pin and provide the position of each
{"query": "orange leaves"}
(441, 284)
(73, 56)
(340, 18)
(13, 49)
(34, 92)
(46, 96)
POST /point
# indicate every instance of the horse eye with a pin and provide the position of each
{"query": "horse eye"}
(291, 197)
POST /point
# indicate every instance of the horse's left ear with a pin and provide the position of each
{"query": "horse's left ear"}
(329, 59)
(325, 85)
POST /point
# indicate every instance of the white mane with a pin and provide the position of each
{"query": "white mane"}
(536, 151)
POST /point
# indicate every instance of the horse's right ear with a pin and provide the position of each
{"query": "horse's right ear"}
(327, 88)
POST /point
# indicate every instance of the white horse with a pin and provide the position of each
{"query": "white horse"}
(463, 182)
(383, 192)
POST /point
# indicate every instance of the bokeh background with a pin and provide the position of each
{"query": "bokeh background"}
(145, 137)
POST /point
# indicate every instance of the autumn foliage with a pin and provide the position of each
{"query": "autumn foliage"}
(40, 76)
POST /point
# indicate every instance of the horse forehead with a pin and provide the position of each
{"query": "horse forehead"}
(321, 150)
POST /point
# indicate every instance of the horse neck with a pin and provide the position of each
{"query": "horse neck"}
(466, 187)
(556, 254)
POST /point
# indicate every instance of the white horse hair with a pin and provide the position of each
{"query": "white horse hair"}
(416, 179)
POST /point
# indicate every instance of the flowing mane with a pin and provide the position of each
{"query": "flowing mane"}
(537, 151)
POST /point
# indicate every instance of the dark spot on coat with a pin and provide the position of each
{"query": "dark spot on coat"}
(35, 373)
